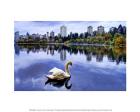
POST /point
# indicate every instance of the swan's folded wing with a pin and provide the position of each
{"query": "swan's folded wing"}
(56, 72)
(54, 69)
(59, 76)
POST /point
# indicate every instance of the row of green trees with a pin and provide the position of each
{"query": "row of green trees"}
(116, 39)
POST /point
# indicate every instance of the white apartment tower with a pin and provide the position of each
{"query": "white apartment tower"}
(63, 31)
(100, 29)
(90, 30)
(16, 35)
(47, 35)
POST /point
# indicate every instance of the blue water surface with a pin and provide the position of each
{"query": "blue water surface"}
(94, 68)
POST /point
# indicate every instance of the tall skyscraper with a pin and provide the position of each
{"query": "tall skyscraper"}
(90, 30)
(51, 34)
(100, 29)
(16, 35)
(63, 31)
(47, 35)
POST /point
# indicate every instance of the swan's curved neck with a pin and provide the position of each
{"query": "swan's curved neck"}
(67, 68)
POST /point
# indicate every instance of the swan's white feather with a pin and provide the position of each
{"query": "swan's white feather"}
(56, 73)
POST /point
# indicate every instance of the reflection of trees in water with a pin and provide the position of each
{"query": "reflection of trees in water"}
(119, 54)
(114, 54)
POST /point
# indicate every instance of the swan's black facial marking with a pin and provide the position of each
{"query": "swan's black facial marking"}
(70, 63)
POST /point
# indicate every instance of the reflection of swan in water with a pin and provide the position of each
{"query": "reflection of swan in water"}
(59, 83)
(58, 74)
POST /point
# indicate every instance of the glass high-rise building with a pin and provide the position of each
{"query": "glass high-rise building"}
(100, 29)
(16, 35)
(63, 31)
(52, 34)
(90, 30)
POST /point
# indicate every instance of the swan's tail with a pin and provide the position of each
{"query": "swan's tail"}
(49, 76)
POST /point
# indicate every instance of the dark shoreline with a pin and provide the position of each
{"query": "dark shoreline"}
(68, 44)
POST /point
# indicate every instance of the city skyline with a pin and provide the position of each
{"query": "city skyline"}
(42, 27)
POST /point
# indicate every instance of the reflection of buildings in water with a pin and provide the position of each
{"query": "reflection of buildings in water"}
(63, 55)
(89, 56)
(17, 49)
(48, 49)
(99, 57)
(44, 49)
(52, 51)
(85, 50)
(34, 50)
(28, 51)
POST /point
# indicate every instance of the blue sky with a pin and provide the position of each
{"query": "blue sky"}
(42, 27)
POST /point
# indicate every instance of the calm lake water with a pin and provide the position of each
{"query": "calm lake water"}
(95, 68)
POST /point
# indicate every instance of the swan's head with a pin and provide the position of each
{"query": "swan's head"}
(69, 63)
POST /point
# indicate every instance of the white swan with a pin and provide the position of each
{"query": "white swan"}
(58, 74)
